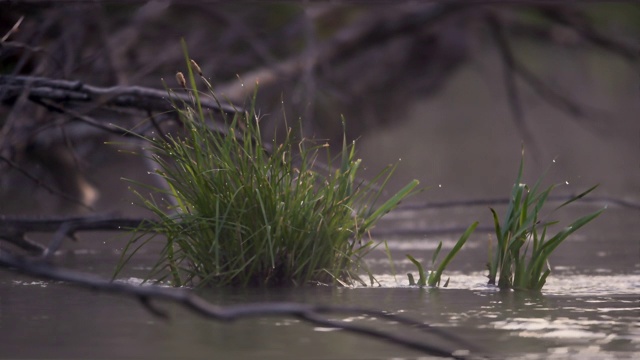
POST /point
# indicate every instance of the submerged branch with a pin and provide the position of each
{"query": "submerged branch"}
(314, 314)
(499, 201)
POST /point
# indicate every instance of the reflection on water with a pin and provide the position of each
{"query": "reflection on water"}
(559, 284)
(588, 309)
(597, 318)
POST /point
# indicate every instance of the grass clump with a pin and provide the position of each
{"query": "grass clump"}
(248, 212)
(435, 275)
(520, 260)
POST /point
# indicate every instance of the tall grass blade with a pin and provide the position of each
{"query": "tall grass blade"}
(242, 211)
(422, 280)
(512, 262)
(434, 277)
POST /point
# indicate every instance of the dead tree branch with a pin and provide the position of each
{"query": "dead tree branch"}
(65, 91)
(59, 95)
(88, 105)
(579, 21)
(314, 314)
(15, 230)
(509, 64)
(355, 38)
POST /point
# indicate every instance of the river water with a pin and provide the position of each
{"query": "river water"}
(589, 309)
(462, 144)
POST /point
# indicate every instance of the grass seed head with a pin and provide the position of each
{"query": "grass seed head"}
(195, 66)
(261, 218)
(181, 80)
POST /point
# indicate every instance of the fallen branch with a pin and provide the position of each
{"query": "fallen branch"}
(314, 314)
(65, 91)
(14, 230)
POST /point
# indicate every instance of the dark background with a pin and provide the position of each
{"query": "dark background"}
(451, 92)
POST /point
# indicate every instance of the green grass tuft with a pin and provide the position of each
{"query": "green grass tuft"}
(523, 244)
(241, 211)
(435, 274)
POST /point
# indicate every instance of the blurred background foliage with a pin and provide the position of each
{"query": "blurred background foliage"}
(452, 89)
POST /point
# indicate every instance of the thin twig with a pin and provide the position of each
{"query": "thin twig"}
(12, 30)
(49, 105)
(42, 184)
(553, 97)
(509, 62)
(501, 201)
(578, 20)
(421, 232)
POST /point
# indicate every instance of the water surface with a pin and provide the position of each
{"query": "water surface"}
(581, 316)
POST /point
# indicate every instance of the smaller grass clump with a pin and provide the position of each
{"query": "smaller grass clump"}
(524, 245)
(245, 212)
(435, 275)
